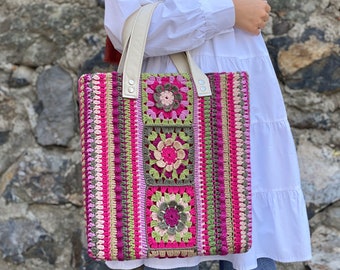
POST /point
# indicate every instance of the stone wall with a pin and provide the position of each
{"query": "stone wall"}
(46, 45)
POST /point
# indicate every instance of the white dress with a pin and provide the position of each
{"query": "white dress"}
(206, 28)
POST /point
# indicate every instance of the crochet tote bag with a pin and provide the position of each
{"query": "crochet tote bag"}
(165, 158)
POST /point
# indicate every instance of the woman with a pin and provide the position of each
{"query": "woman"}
(225, 36)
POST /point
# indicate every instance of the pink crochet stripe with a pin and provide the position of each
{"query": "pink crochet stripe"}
(141, 188)
(135, 179)
(103, 222)
(233, 167)
(197, 127)
(129, 192)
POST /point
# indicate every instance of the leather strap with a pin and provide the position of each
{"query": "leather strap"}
(134, 40)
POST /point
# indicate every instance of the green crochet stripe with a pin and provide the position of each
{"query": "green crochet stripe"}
(209, 175)
(130, 252)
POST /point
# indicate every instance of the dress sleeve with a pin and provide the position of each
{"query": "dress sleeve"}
(176, 25)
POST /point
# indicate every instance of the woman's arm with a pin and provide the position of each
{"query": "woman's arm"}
(176, 25)
(181, 25)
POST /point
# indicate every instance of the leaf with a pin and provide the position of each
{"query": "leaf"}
(174, 136)
(163, 137)
(154, 173)
(156, 236)
(186, 198)
(153, 162)
(178, 198)
(152, 136)
(154, 209)
(157, 196)
(152, 147)
(167, 197)
(188, 224)
(184, 174)
(187, 209)
(183, 136)
(166, 238)
(187, 236)
(186, 146)
(154, 223)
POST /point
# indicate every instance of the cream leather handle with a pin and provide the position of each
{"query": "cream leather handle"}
(134, 39)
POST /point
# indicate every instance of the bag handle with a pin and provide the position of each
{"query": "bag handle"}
(134, 40)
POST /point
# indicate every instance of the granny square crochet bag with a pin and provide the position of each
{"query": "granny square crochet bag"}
(165, 157)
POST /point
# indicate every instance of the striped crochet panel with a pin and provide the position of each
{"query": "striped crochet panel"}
(167, 174)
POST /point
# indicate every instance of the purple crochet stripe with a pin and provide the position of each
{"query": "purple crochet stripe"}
(117, 241)
(83, 116)
(222, 176)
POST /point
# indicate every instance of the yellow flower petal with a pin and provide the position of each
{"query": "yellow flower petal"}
(161, 163)
(160, 146)
(157, 154)
(168, 141)
(177, 164)
(180, 154)
(177, 145)
(169, 168)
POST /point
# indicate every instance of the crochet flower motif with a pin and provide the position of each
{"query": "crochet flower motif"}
(167, 100)
(169, 154)
(171, 217)
(167, 97)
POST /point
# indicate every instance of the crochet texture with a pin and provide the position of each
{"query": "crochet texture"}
(167, 174)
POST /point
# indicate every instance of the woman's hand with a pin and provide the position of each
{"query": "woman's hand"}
(251, 15)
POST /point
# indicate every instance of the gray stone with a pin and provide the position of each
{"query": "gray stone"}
(48, 28)
(22, 76)
(56, 123)
(319, 172)
(290, 266)
(41, 177)
(314, 120)
(332, 219)
(41, 52)
(321, 76)
(281, 27)
(326, 243)
(21, 237)
(4, 135)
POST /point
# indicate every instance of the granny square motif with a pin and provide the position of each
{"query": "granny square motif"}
(167, 174)
(167, 99)
(168, 155)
